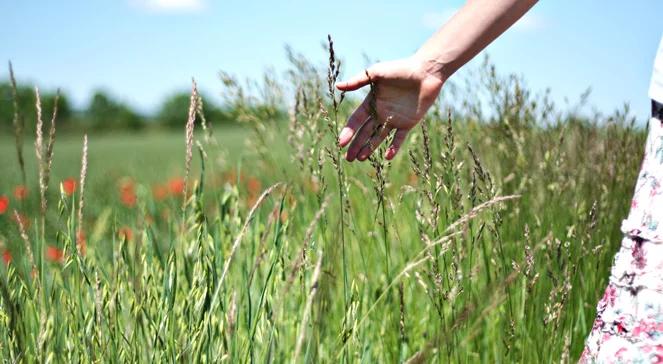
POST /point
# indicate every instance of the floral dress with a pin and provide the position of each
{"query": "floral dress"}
(629, 320)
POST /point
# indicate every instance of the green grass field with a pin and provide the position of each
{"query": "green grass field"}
(487, 240)
(148, 156)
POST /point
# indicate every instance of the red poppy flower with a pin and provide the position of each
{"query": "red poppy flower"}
(69, 186)
(176, 186)
(126, 185)
(127, 193)
(54, 254)
(125, 232)
(253, 185)
(6, 257)
(4, 204)
(160, 192)
(128, 199)
(20, 192)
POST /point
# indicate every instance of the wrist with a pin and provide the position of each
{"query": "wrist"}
(430, 69)
(432, 66)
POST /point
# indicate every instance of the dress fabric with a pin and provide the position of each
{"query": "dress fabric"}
(656, 85)
(629, 322)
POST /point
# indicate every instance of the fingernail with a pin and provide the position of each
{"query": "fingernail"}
(345, 134)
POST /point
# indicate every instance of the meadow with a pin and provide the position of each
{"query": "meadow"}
(488, 239)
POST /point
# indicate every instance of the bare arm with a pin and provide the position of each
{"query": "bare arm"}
(469, 31)
(407, 88)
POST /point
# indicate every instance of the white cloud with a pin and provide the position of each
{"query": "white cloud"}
(528, 22)
(170, 5)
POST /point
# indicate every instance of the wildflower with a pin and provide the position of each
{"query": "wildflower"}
(176, 186)
(128, 199)
(126, 185)
(253, 185)
(20, 192)
(159, 192)
(6, 256)
(4, 204)
(54, 254)
(125, 233)
(127, 193)
(69, 186)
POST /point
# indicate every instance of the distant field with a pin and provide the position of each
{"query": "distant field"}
(149, 156)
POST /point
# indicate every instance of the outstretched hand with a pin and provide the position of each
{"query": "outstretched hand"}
(404, 90)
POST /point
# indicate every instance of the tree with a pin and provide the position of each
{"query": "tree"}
(106, 113)
(175, 109)
(27, 107)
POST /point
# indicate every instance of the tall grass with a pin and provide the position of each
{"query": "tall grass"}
(489, 241)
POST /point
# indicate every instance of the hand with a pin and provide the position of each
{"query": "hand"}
(404, 91)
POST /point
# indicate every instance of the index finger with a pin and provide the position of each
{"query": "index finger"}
(355, 121)
(355, 82)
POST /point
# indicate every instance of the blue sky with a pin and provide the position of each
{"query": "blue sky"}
(143, 50)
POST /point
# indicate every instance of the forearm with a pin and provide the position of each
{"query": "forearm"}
(469, 31)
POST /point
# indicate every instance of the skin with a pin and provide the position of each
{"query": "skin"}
(405, 89)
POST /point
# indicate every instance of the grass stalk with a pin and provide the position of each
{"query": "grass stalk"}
(19, 124)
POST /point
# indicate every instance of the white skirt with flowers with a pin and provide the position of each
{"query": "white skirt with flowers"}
(629, 320)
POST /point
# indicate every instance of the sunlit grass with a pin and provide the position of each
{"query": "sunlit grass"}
(499, 234)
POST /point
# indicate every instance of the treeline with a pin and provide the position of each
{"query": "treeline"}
(105, 112)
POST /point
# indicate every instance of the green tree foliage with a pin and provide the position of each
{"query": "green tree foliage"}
(26, 103)
(175, 108)
(105, 113)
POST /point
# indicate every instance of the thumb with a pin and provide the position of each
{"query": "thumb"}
(355, 82)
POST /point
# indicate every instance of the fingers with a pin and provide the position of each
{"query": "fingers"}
(355, 121)
(362, 136)
(360, 80)
(373, 143)
(354, 83)
(395, 146)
